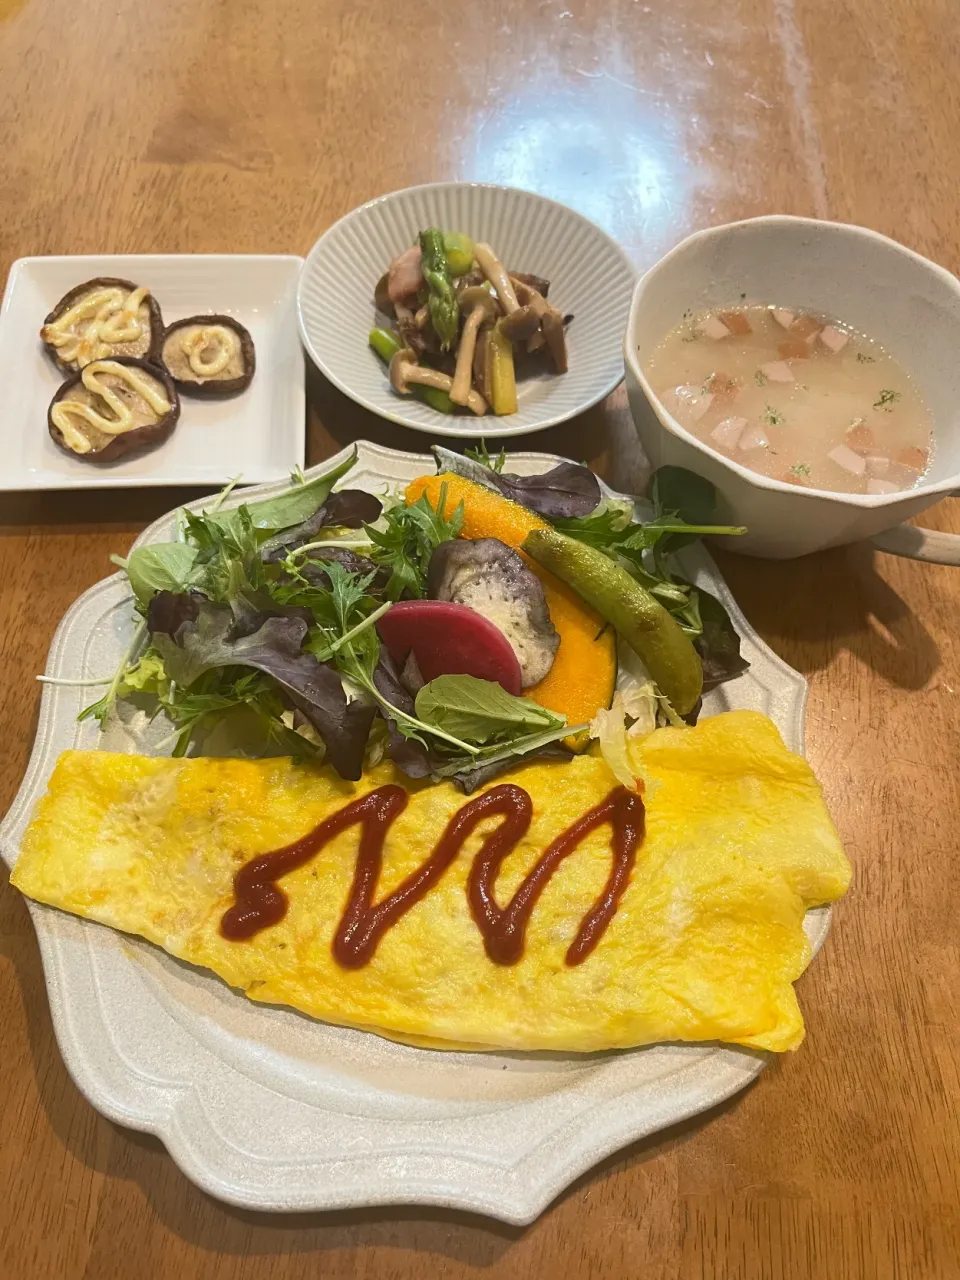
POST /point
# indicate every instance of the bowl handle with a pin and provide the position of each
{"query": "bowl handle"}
(919, 544)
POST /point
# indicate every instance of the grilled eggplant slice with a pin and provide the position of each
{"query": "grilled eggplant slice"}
(112, 407)
(209, 355)
(102, 319)
(492, 579)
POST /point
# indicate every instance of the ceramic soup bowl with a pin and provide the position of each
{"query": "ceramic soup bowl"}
(908, 304)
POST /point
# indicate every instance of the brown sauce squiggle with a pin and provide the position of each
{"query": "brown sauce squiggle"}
(259, 903)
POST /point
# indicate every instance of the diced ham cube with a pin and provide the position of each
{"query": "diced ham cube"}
(793, 349)
(714, 328)
(805, 327)
(727, 433)
(722, 387)
(736, 322)
(860, 437)
(881, 486)
(849, 460)
(691, 402)
(877, 465)
(783, 318)
(914, 458)
(754, 438)
(405, 275)
(777, 371)
(833, 338)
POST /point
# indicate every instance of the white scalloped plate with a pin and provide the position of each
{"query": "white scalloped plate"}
(270, 1110)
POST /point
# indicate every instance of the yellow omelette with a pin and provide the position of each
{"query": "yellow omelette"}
(705, 944)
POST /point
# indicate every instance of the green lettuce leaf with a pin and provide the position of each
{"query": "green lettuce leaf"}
(481, 711)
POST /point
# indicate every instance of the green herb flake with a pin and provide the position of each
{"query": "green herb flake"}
(800, 469)
(863, 358)
(886, 400)
(773, 417)
(760, 378)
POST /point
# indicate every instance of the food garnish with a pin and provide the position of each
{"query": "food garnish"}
(463, 321)
(210, 355)
(112, 407)
(103, 318)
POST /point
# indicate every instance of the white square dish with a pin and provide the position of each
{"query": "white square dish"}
(259, 434)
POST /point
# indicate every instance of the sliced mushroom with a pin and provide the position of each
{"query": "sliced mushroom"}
(488, 576)
(551, 323)
(494, 270)
(421, 341)
(529, 296)
(209, 355)
(480, 307)
(405, 372)
(555, 336)
(102, 318)
(520, 324)
(381, 296)
(473, 277)
(538, 283)
(111, 407)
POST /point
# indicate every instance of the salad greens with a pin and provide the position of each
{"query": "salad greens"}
(565, 490)
(245, 616)
(684, 510)
(265, 614)
(408, 541)
(482, 710)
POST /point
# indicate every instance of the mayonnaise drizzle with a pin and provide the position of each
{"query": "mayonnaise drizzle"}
(121, 419)
(218, 336)
(97, 322)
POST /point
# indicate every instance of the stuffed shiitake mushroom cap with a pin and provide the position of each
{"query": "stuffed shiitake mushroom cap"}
(112, 407)
(101, 319)
(209, 355)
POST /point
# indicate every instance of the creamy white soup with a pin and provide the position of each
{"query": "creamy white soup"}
(798, 397)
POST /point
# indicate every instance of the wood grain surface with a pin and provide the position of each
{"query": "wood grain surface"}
(237, 125)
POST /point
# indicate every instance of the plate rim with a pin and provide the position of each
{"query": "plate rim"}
(451, 432)
(109, 480)
(521, 1193)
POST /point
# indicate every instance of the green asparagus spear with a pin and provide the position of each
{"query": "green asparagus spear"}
(444, 309)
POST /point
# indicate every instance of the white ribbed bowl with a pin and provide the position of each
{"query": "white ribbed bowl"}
(590, 276)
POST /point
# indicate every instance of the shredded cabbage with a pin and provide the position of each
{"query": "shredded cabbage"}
(609, 727)
(637, 692)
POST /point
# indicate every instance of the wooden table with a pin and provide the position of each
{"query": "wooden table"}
(232, 125)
